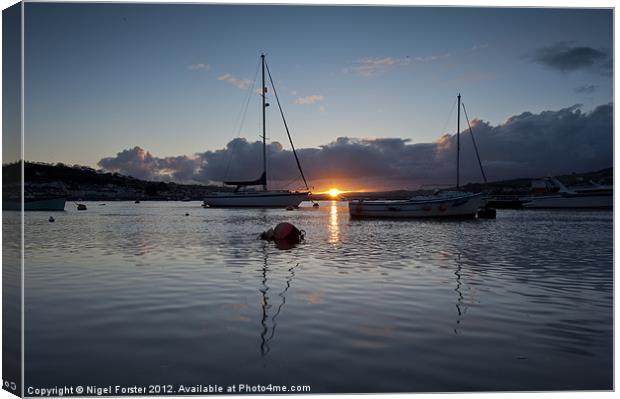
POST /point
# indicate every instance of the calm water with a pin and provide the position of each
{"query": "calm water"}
(141, 294)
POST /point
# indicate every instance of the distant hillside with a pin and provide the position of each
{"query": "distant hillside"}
(84, 183)
(81, 182)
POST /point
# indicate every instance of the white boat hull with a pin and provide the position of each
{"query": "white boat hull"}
(461, 206)
(259, 199)
(571, 202)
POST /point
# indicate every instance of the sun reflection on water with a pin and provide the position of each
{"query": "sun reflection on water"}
(334, 228)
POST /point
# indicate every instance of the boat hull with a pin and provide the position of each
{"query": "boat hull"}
(456, 207)
(506, 203)
(48, 204)
(571, 202)
(256, 200)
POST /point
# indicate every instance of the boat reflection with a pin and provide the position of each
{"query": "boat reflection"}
(465, 290)
(269, 315)
(460, 307)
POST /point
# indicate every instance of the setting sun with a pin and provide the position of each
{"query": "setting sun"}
(333, 192)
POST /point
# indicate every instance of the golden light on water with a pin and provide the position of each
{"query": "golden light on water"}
(334, 227)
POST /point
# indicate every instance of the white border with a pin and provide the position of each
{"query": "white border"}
(458, 3)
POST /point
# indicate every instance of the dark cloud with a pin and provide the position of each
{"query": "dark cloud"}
(140, 164)
(551, 142)
(586, 89)
(567, 58)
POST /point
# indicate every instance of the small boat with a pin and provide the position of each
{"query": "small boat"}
(597, 197)
(245, 195)
(35, 204)
(442, 204)
(445, 204)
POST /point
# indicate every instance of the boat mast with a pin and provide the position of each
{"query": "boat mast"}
(458, 141)
(264, 94)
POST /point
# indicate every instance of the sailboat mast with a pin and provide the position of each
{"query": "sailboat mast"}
(264, 94)
(458, 141)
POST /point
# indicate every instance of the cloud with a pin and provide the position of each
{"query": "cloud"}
(309, 99)
(586, 89)
(565, 57)
(371, 66)
(240, 83)
(477, 47)
(140, 164)
(199, 67)
(525, 145)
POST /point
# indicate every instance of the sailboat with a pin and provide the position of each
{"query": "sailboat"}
(245, 194)
(439, 205)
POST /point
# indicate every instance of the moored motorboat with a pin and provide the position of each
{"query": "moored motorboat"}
(599, 197)
(571, 201)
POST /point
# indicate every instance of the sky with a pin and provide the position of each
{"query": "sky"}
(158, 91)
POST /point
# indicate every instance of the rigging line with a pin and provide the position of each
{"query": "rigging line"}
(275, 93)
(471, 132)
(445, 125)
(241, 117)
(241, 120)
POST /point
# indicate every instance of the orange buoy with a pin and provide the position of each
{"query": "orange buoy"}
(284, 234)
(285, 231)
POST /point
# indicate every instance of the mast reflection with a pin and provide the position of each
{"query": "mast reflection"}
(465, 294)
(460, 298)
(269, 322)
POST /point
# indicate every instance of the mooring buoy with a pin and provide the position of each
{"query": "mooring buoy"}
(285, 235)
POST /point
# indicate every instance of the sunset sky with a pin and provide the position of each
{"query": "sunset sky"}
(156, 91)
